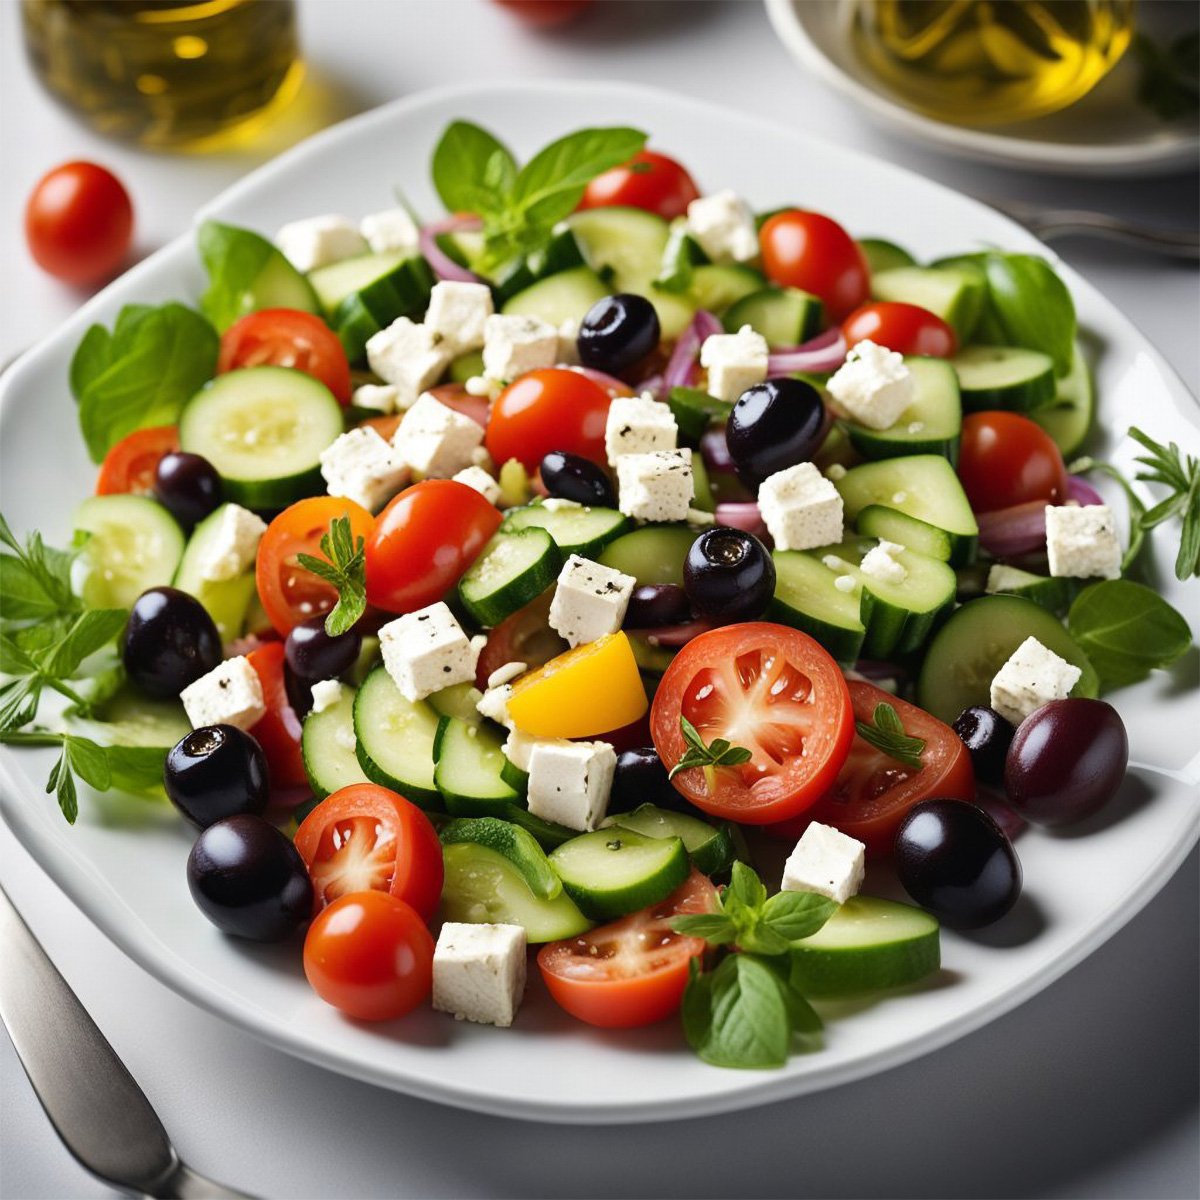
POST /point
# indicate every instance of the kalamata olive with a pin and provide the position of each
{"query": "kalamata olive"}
(299, 691)
(169, 642)
(955, 861)
(774, 425)
(656, 604)
(188, 486)
(617, 332)
(641, 778)
(313, 655)
(1066, 761)
(249, 880)
(987, 735)
(729, 575)
(216, 771)
(573, 477)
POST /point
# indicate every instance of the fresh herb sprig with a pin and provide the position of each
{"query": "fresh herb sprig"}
(886, 733)
(345, 566)
(717, 753)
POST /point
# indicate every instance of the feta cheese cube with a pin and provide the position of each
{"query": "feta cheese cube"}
(233, 544)
(391, 230)
(801, 508)
(1081, 541)
(427, 650)
(325, 694)
(873, 386)
(479, 972)
(318, 241)
(478, 479)
(571, 783)
(363, 467)
(825, 861)
(519, 746)
(230, 694)
(409, 356)
(457, 313)
(637, 425)
(436, 440)
(657, 486)
(734, 362)
(380, 397)
(880, 562)
(589, 600)
(723, 225)
(1032, 676)
(513, 345)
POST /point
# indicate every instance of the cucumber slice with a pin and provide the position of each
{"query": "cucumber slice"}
(1053, 593)
(653, 554)
(716, 288)
(785, 316)
(263, 428)
(576, 529)
(482, 887)
(327, 743)
(883, 255)
(565, 297)
(889, 524)
(694, 410)
(395, 740)
(931, 424)
(651, 658)
(1004, 377)
(1068, 420)
(133, 544)
(335, 282)
(228, 600)
(253, 274)
(518, 845)
(561, 253)
(458, 700)
(703, 499)
(127, 718)
(515, 567)
(609, 873)
(709, 848)
(466, 366)
(516, 777)
(548, 834)
(467, 774)
(964, 656)
(956, 294)
(868, 944)
(807, 599)
(401, 291)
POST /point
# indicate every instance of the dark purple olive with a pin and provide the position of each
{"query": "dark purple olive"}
(299, 691)
(188, 486)
(617, 332)
(313, 655)
(216, 771)
(169, 642)
(729, 575)
(641, 778)
(774, 425)
(1066, 761)
(654, 605)
(249, 880)
(987, 735)
(573, 477)
(955, 861)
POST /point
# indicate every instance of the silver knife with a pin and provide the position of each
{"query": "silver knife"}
(101, 1114)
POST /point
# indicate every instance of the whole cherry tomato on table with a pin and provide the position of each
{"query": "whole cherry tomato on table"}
(1007, 459)
(286, 337)
(130, 465)
(545, 13)
(649, 181)
(813, 252)
(905, 328)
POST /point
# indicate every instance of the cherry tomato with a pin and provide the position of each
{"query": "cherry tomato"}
(770, 689)
(366, 837)
(370, 955)
(648, 180)
(905, 328)
(456, 396)
(278, 731)
(542, 14)
(873, 792)
(632, 971)
(290, 594)
(554, 409)
(130, 465)
(810, 251)
(287, 337)
(1007, 459)
(423, 541)
(525, 637)
(79, 223)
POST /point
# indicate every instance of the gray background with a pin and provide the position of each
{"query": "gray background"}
(1089, 1090)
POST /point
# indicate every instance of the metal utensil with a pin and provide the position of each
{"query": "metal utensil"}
(94, 1104)
(1051, 223)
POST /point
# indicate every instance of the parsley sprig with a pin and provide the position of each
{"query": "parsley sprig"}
(717, 753)
(345, 566)
(886, 733)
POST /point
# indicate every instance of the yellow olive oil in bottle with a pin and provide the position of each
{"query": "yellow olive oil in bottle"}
(985, 62)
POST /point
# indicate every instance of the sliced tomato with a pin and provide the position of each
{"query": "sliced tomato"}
(278, 731)
(632, 971)
(287, 337)
(366, 838)
(130, 465)
(525, 637)
(770, 689)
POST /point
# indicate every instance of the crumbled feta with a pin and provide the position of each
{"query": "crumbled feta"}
(589, 600)
(657, 486)
(230, 694)
(723, 226)
(363, 467)
(880, 562)
(1004, 579)
(825, 861)
(701, 519)
(344, 736)
(411, 357)
(392, 230)
(506, 674)
(513, 345)
(571, 783)
(479, 972)
(457, 312)
(734, 362)
(1032, 676)
(480, 481)
(325, 694)
(481, 385)
(873, 386)
(568, 342)
(637, 425)
(233, 544)
(845, 583)
(493, 704)
(560, 504)
(426, 651)
(801, 508)
(835, 471)
(435, 440)
(318, 241)
(382, 398)
(1081, 541)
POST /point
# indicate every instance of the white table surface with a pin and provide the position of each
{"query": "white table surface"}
(1088, 1090)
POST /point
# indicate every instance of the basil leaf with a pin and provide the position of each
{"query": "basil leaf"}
(715, 928)
(472, 171)
(746, 887)
(762, 939)
(564, 168)
(749, 1025)
(22, 595)
(235, 259)
(1031, 306)
(89, 761)
(91, 631)
(677, 269)
(136, 768)
(796, 915)
(696, 1010)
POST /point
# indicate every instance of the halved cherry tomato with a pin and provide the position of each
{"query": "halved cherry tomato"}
(554, 409)
(632, 971)
(905, 328)
(525, 637)
(423, 541)
(130, 465)
(278, 731)
(874, 792)
(365, 837)
(290, 594)
(1007, 459)
(811, 251)
(649, 180)
(768, 688)
(287, 337)
(370, 955)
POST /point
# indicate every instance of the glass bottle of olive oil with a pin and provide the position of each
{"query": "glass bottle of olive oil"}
(984, 62)
(166, 73)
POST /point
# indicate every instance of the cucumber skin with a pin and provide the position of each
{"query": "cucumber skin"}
(513, 595)
(611, 903)
(818, 972)
(429, 799)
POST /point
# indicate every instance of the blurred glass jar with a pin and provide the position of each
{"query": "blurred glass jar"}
(986, 62)
(184, 74)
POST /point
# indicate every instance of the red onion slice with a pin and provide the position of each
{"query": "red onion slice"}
(825, 352)
(672, 635)
(652, 383)
(443, 266)
(1020, 529)
(681, 366)
(1079, 490)
(715, 451)
(743, 515)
